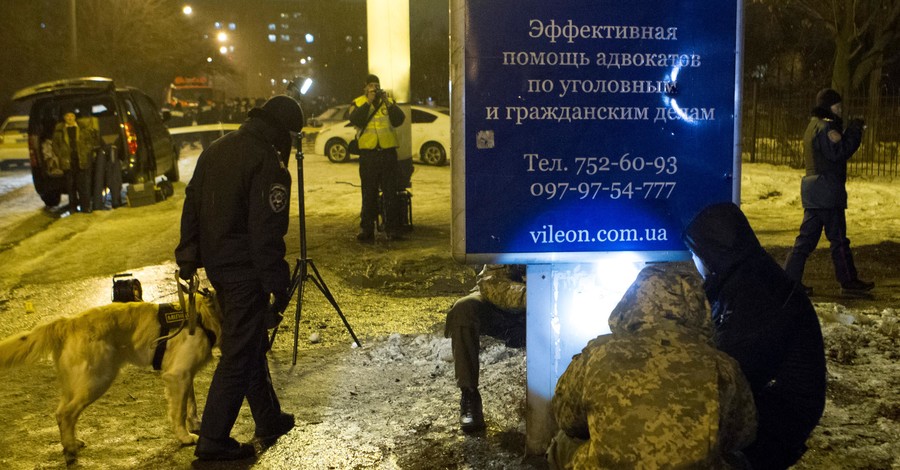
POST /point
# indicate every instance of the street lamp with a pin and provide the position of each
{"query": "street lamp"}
(187, 10)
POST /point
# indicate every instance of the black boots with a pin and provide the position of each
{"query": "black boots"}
(266, 437)
(857, 287)
(223, 449)
(471, 416)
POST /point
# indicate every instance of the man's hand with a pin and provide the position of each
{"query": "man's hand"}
(186, 274)
(278, 302)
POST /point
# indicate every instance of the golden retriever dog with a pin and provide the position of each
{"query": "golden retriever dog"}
(90, 348)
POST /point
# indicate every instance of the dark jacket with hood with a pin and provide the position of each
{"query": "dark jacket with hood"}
(826, 149)
(236, 207)
(765, 321)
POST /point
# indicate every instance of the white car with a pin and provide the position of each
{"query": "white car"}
(330, 116)
(430, 136)
(14, 142)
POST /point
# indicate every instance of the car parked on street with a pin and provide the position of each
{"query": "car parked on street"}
(14, 142)
(129, 123)
(330, 116)
(430, 136)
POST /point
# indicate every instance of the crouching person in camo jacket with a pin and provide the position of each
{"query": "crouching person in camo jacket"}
(496, 307)
(654, 393)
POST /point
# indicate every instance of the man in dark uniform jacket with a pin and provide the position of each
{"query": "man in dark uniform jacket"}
(233, 224)
(826, 148)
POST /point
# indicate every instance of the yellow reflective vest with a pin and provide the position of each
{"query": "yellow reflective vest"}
(378, 133)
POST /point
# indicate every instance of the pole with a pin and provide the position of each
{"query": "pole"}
(73, 33)
(304, 264)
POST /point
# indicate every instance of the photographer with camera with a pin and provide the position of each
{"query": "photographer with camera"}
(827, 147)
(376, 117)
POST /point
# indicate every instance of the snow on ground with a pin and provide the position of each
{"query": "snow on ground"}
(392, 403)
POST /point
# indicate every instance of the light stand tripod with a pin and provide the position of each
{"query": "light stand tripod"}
(305, 269)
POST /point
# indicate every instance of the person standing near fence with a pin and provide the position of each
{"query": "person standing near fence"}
(827, 147)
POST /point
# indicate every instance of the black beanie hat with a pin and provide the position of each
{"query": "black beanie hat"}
(372, 79)
(283, 110)
(827, 98)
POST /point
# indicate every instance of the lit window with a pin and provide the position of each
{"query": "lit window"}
(232, 26)
(285, 37)
(309, 38)
(272, 38)
(271, 26)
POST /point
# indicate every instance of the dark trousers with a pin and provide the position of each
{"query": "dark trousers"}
(782, 430)
(107, 174)
(243, 371)
(470, 317)
(834, 223)
(378, 170)
(78, 185)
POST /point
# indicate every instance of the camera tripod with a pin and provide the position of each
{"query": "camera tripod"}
(305, 269)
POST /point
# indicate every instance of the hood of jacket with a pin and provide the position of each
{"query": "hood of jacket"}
(721, 236)
(667, 296)
(263, 126)
(826, 114)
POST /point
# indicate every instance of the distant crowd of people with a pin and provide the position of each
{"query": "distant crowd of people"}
(231, 110)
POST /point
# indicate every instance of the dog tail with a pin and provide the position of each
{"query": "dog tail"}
(32, 346)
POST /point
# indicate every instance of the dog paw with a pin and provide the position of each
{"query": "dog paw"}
(71, 451)
(188, 440)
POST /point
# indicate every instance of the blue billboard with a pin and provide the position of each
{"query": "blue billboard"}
(586, 129)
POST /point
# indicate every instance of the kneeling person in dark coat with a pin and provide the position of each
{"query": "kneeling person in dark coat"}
(765, 320)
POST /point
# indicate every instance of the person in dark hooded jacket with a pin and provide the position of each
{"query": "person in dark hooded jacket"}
(764, 320)
(827, 147)
(233, 224)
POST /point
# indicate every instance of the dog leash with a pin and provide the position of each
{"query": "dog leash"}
(189, 307)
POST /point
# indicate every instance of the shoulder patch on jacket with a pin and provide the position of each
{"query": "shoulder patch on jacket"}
(278, 197)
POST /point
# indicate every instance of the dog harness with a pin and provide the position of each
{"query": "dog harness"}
(173, 316)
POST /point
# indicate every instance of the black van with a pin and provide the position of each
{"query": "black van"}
(130, 125)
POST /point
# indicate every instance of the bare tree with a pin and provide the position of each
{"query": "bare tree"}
(862, 32)
(144, 43)
(34, 43)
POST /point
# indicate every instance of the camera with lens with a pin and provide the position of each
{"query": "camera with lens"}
(380, 94)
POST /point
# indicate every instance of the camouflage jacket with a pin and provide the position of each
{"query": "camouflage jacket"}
(503, 286)
(87, 139)
(655, 393)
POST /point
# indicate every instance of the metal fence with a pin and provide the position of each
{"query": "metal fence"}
(773, 126)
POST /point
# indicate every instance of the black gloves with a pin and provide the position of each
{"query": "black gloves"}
(186, 274)
(857, 122)
(278, 302)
